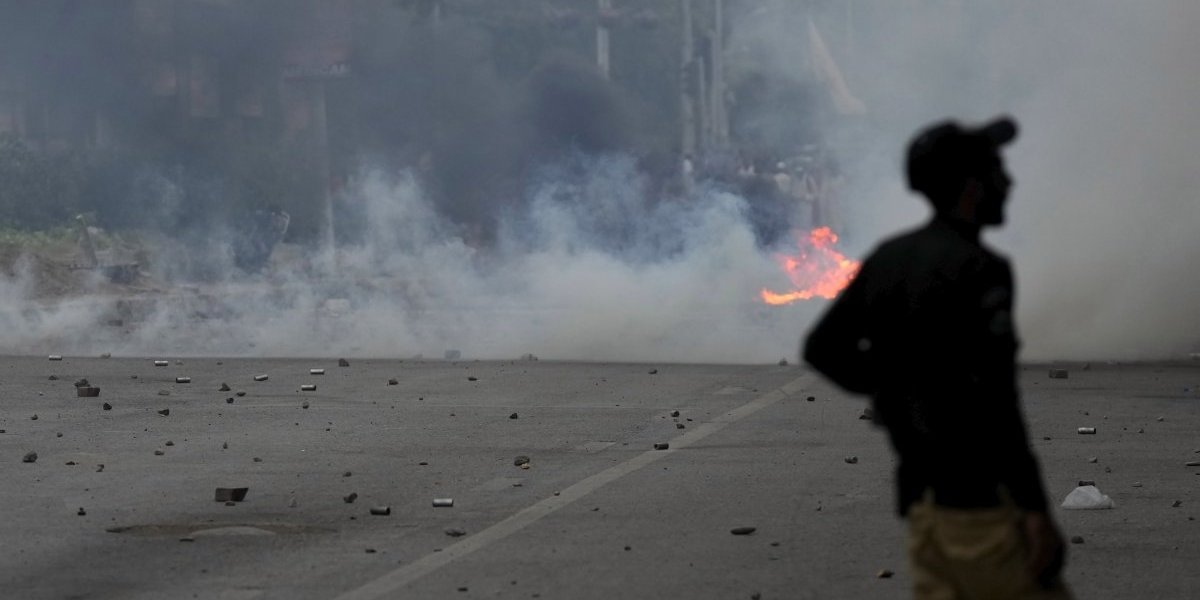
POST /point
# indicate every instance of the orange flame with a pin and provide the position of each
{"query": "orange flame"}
(816, 270)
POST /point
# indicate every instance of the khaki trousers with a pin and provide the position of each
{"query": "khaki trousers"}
(971, 554)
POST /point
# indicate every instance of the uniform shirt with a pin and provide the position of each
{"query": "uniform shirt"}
(926, 329)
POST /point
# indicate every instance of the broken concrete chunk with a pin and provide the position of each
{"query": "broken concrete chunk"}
(852, 460)
(393, 381)
(87, 392)
(224, 494)
(1177, 504)
(1058, 374)
(29, 457)
(82, 383)
(107, 406)
(868, 414)
(662, 446)
(1093, 459)
(443, 502)
(472, 378)
(239, 394)
(381, 511)
(1086, 431)
(743, 530)
(350, 498)
(514, 416)
(1084, 482)
(165, 412)
(680, 426)
(343, 362)
(811, 398)
(159, 453)
(161, 363)
(53, 378)
(183, 380)
(229, 400)
(224, 387)
(304, 405)
(674, 413)
(308, 387)
(260, 377)
(1087, 497)
(316, 371)
(520, 460)
(169, 443)
(55, 357)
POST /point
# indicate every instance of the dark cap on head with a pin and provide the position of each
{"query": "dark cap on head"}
(944, 153)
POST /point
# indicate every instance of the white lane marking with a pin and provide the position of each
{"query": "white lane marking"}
(390, 583)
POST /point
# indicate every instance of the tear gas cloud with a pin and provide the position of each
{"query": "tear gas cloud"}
(588, 259)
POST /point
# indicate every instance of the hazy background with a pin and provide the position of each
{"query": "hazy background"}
(544, 226)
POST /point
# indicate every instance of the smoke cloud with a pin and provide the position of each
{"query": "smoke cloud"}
(585, 254)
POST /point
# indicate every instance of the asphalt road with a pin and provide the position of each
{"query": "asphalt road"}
(598, 513)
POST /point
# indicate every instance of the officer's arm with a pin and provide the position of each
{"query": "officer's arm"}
(838, 346)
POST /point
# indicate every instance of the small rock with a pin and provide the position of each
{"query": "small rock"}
(59, 434)
(529, 357)
(224, 387)
(1137, 484)
(107, 406)
(370, 551)
(257, 459)
(520, 460)
(1141, 430)
(1108, 469)
(308, 387)
(1177, 504)
(853, 460)
(653, 371)
(811, 398)
(86, 391)
(1192, 463)
(99, 468)
(662, 446)
(223, 494)
(1093, 459)
(381, 511)
(472, 378)
(1077, 539)
(743, 530)
(81, 512)
(680, 426)
(70, 463)
(224, 445)
(514, 416)
(187, 539)
(82, 383)
(169, 443)
(178, 363)
(1161, 419)
(29, 457)
(343, 362)
(292, 503)
(884, 574)
(159, 453)
(54, 378)
(350, 498)
(304, 405)
(674, 413)
(107, 354)
(455, 532)
(33, 418)
(165, 412)
(239, 394)
(347, 474)
(393, 381)
(229, 400)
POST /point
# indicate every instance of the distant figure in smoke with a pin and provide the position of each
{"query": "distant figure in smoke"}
(926, 329)
(265, 229)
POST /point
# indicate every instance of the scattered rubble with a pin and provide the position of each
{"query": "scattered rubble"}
(381, 511)
(680, 426)
(224, 494)
(29, 457)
